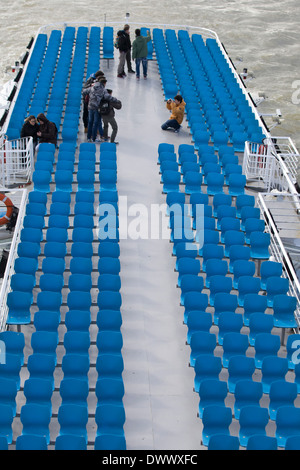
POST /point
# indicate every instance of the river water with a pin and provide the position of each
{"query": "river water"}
(261, 36)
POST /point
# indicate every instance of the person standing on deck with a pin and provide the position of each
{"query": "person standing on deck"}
(140, 52)
(85, 116)
(96, 92)
(108, 116)
(177, 107)
(124, 46)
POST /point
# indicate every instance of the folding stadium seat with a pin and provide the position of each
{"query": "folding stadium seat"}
(76, 366)
(44, 342)
(211, 392)
(216, 419)
(276, 285)
(49, 301)
(229, 322)
(247, 285)
(265, 345)
(240, 268)
(236, 184)
(231, 169)
(267, 269)
(229, 224)
(53, 265)
(70, 442)
(253, 303)
(234, 344)
(292, 443)
(249, 212)
(281, 393)
(284, 307)
(259, 442)
(215, 183)
(41, 180)
(19, 304)
(60, 208)
(35, 420)
(110, 419)
(109, 300)
(232, 237)
(211, 251)
(221, 199)
(74, 392)
(287, 424)
(31, 442)
(253, 421)
(109, 391)
(73, 420)
(64, 180)
(224, 302)
(198, 321)
(28, 249)
(253, 225)
(194, 301)
(187, 266)
(164, 147)
(86, 179)
(34, 221)
(36, 208)
(219, 284)
(242, 201)
(6, 420)
(193, 182)
(215, 267)
(81, 265)
(259, 245)
(77, 342)
(224, 210)
(259, 323)
(167, 157)
(273, 369)
(80, 282)
(8, 393)
(110, 442)
(246, 393)
(78, 300)
(201, 343)
(51, 282)
(56, 234)
(38, 391)
(223, 442)
(171, 181)
(109, 342)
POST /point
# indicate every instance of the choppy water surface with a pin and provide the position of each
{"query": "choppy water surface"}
(264, 34)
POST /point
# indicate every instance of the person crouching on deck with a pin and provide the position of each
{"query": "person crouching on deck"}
(177, 107)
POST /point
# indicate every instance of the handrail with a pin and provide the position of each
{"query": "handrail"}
(9, 271)
(280, 254)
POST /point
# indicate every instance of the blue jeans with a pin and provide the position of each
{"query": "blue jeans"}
(170, 123)
(94, 124)
(144, 65)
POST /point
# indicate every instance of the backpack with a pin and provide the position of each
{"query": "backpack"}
(116, 43)
(104, 107)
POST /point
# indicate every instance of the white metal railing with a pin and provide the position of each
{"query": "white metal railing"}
(16, 161)
(278, 251)
(9, 271)
(274, 163)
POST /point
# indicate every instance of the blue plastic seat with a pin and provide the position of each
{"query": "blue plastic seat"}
(216, 419)
(259, 323)
(190, 283)
(222, 211)
(253, 303)
(78, 320)
(259, 245)
(109, 391)
(194, 301)
(44, 342)
(228, 224)
(81, 265)
(82, 250)
(292, 443)
(19, 304)
(287, 424)
(110, 365)
(110, 419)
(273, 368)
(253, 421)
(248, 212)
(41, 180)
(171, 181)
(28, 249)
(76, 366)
(198, 321)
(234, 344)
(80, 282)
(236, 184)
(70, 442)
(229, 322)
(73, 420)
(211, 392)
(109, 300)
(224, 302)
(219, 284)
(110, 442)
(265, 345)
(6, 420)
(207, 237)
(14, 343)
(247, 392)
(281, 393)
(215, 183)
(77, 342)
(253, 225)
(79, 300)
(64, 180)
(240, 268)
(38, 391)
(215, 267)
(41, 366)
(51, 282)
(268, 269)
(260, 442)
(209, 251)
(35, 419)
(31, 442)
(240, 368)
(201, 343)
(223, 442)
(207, 366)
(187, 266)
(29, 234)
(74, 392)
(284, 307)
(247, 285)
(233, 238)
(53, 265)
(276, 285)
(109, 342)
(8, 392)
(109, 320)
(193, 182)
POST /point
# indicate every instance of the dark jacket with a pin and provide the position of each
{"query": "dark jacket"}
(113, 104)
(29, 130)
(96, 93)
(48, 130)
(124, 41)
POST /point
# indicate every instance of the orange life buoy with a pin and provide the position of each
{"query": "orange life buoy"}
(6, 218)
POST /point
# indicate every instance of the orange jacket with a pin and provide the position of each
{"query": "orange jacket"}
(177, 111)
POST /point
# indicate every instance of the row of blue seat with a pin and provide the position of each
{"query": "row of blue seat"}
(260, 342)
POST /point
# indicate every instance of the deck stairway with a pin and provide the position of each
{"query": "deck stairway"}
(125, 343)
